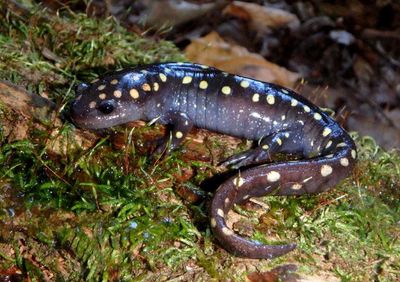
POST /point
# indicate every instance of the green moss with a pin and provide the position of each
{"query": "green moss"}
(106, 214)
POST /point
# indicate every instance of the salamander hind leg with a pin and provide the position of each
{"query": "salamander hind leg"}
(264, 152)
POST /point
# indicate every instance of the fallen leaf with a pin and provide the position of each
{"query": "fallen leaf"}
(214, 51)
(262, 18)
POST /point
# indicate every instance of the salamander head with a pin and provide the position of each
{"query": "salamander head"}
(105, 103)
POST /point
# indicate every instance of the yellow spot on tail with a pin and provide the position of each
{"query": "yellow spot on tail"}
(117, 93)
(163, 77)
(341, 145)
(273, 176)
(344, 161)
(156, 86)
(306, 109)
(326, 131)
(92, 104)
(256, 97)
(178, 134)
(317, 116)
(114, 81)
(328, 144)
(146, 87)
(270, 99)
(279, 141)
(134, 93)
(102, 96)
(294, 102)
(203, 84)
(238, 181)
(326, 170)
(101, 87)
(353, 154)
(220, 212)
(226, 90)
(213, 222)
(227, 231)
(187, 79)
(265, 147)
(297, 186)
(244, 83)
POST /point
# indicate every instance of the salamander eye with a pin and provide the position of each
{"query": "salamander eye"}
(106, 107)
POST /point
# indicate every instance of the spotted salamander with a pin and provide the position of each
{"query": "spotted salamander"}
(183, 95)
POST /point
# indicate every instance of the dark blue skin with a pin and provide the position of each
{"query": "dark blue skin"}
(184, 95)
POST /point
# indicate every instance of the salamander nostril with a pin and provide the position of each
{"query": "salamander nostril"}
(106, 107)
(80, 88)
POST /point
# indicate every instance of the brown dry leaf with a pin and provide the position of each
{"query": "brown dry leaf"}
(261, 18)
(214, 51)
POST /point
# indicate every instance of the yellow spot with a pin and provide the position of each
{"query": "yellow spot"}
(326, 131)
(328, 144)
(307, 179)
(102, 96)
(117, 93)
(306, 109)
(146, 87)
(220, 212)
(341, 145)
(156, 86)
(270, 99)
(244, 83)
(283, 117)
(285, 91)
(226, 90)
(293, 102)
(279, 141)
(287, 134)
(114, 81)
(227, 231)
(256, 97)
(238, 181)
(163, 77)
(344, 161)
(204, 67)
(101, 87)
(187, 80)
(273, 176)
(134, 93)
(203, 84)
(297, 186)
(92, 104)
(353, 154)
(329, 156)
(317, 116)
(265, 147)
(178, 134)
(213, 222)
(326, 170)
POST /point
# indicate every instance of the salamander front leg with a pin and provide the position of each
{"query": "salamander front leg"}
(179, 126)
(268, 147)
